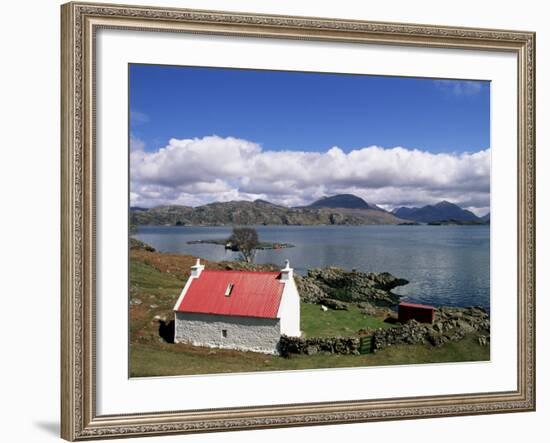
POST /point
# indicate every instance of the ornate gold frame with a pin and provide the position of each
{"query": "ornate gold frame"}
(79, 23)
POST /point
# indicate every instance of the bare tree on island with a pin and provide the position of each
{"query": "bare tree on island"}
(245, 240)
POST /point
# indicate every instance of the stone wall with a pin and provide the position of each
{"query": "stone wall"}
(314, 345)
(451, 324)
(228, 332)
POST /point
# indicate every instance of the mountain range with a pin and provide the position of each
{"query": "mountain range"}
(442, 211)
(342, 209)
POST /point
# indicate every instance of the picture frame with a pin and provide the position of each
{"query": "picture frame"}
(80, 177)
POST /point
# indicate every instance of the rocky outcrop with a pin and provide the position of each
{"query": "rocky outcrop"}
(451, 324)
(136, 244)
(315, 345)
(368, 309)
(349, 286)
(473, 319)
(386, 281)
(336, 305)
(309, 291)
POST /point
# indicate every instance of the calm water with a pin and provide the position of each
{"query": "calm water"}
(446, 265)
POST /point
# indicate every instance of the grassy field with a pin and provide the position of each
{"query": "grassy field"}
(182, 359)
(317, 323)
(155, 283)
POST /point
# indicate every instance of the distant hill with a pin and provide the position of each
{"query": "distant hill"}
(404, 212)
(487, 217)
(442, 211)
(259, 201)
(347, 201)
(261, 212)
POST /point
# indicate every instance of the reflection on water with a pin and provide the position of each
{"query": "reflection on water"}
(446, 265)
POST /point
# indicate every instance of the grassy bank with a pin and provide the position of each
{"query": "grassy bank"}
(317, 323)
(155, 282)
(180, 359)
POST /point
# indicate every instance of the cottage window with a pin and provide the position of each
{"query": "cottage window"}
(224, 333)
(229, 289)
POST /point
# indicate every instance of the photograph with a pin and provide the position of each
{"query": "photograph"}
(289, 220)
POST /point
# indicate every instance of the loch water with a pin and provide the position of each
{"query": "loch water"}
(446, 265)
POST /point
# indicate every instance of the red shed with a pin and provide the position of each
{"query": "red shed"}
(413, 311)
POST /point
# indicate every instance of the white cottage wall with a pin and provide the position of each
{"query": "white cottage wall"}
(242, 333)
(289, 310)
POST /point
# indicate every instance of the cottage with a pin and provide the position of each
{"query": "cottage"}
(244, 310)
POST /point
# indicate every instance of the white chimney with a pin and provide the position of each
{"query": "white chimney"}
(287, 272)
(197, 269)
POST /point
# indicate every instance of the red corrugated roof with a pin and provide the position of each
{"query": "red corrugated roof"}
(414, 305)
(254, 294)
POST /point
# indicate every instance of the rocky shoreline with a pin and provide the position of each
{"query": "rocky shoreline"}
(138, 245)
(335, 288)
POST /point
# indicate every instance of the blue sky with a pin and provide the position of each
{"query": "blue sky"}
(199, 135)
(307, 111)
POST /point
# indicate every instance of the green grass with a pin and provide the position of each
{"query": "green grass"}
(157, 291)
(315, 322)
(185, 360)
(148, 280)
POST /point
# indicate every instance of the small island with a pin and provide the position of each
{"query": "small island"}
(228, 244)
(244, 241)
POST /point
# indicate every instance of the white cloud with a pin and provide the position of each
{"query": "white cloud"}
(136, 144)
(199, 171)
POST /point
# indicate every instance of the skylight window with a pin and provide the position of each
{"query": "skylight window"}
(229, 289)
